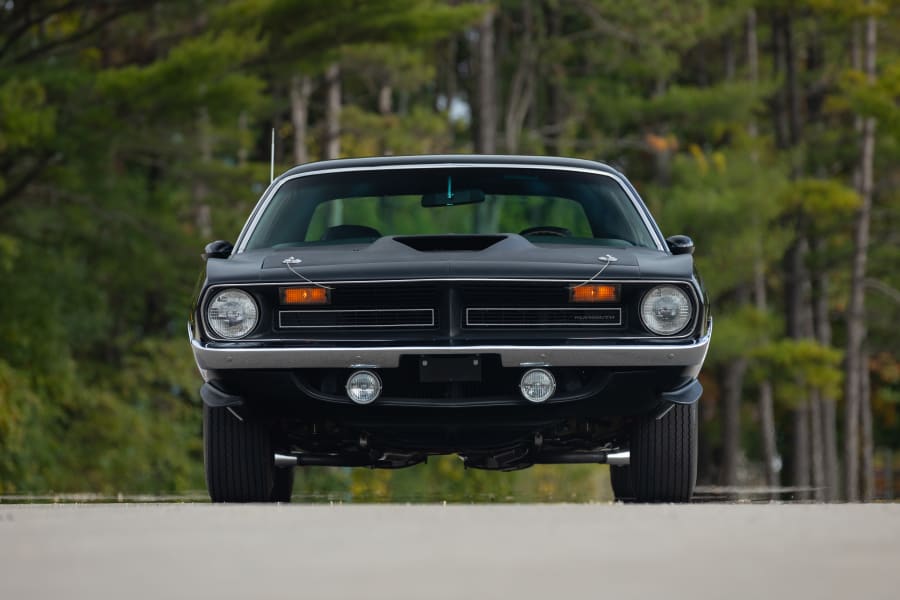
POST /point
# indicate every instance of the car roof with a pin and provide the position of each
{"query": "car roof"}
(450, 160)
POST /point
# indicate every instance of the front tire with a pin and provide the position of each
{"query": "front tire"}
(664, 457)
(283, 486)
(620, 479)
(237, 457)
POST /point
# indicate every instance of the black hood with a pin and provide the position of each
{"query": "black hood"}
(506, 256)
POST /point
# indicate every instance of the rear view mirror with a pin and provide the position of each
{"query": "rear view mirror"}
(453, 198)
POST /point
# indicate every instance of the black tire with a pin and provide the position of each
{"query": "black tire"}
(238, 458)
(620, 478)
(664, 456)
(283, 487)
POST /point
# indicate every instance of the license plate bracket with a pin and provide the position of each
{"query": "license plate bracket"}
(449, 369)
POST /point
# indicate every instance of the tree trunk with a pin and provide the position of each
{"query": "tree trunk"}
(856, 314)
(555, 127)
(868, 442)
(333, 112)
(817, 446)
(832, 464)
(333, 132)
(521, 89)
(792, 84)
(888, 470)
(772, 463)
(771, 459)
(800, 461)
(385, 108)
(798, 310)
(780, 100)
(385, 99)
(243, 149)
(487, 214)
(799, 326)
(732, 384)
(202, 209)
(301, 90)
(752, 60)
(486, 141)
(825, 423)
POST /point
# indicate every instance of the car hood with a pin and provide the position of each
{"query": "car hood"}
(506, 257)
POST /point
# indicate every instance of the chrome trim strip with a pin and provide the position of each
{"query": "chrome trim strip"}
(585, 324)
(256, 215)
(430, 312)
(460, 279)
(689, 355)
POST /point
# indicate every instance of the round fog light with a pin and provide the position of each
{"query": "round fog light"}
(537, 385)
(363, 387)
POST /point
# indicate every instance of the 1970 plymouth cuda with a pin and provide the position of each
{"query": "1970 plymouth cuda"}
(511, 310)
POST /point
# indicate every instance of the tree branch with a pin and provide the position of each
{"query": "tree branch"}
(96, 26)
(30, 175)
(31, 22)
(887, 290)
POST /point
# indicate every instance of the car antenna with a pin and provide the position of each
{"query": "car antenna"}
(272, 159)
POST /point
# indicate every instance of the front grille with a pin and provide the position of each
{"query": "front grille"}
(443, 307)
(360, 296)
(543, 317)
(514, 294)
(385, 317)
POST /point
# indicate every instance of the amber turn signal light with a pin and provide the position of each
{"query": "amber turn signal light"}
(595, 293)
(304, 295)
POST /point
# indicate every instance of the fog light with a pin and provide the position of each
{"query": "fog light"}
(363, 387)
(537, 385)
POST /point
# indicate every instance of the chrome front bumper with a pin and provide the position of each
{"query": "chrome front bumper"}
(690, 356)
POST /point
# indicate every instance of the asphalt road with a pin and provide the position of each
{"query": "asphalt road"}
(424, 552)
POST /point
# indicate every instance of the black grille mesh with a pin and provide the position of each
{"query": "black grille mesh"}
(537, 317)
(356, 318)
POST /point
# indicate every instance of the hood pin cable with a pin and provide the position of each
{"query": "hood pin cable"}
(291, 261)
(609, 258)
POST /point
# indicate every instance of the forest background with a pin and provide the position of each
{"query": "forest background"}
(133, 132)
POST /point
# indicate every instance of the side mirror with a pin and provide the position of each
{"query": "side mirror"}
(680, 244)
(217, 249)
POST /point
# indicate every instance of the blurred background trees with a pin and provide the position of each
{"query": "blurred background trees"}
(133, 132)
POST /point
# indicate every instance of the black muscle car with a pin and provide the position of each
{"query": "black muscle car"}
(512, 310)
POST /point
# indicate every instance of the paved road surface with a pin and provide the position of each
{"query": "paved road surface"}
(369, 552)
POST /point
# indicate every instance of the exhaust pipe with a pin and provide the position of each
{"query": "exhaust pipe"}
(615, 459)
(285, 460)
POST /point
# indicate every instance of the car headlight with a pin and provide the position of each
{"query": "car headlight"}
(232, 314)
(665, 310)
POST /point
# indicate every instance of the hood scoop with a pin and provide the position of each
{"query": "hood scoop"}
(449, 243)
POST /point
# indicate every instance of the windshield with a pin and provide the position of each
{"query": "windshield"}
(547, 206)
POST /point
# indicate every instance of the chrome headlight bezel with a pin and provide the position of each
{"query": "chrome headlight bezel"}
(250, 317)
(682, 320)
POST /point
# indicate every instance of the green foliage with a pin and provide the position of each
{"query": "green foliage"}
(740, 332)
(798, 366)
(445, 479)
(421, 131)
(880, 99)
(822, 205)
(327, 27)
(728, 203)
(25, 116)
(199, 72)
